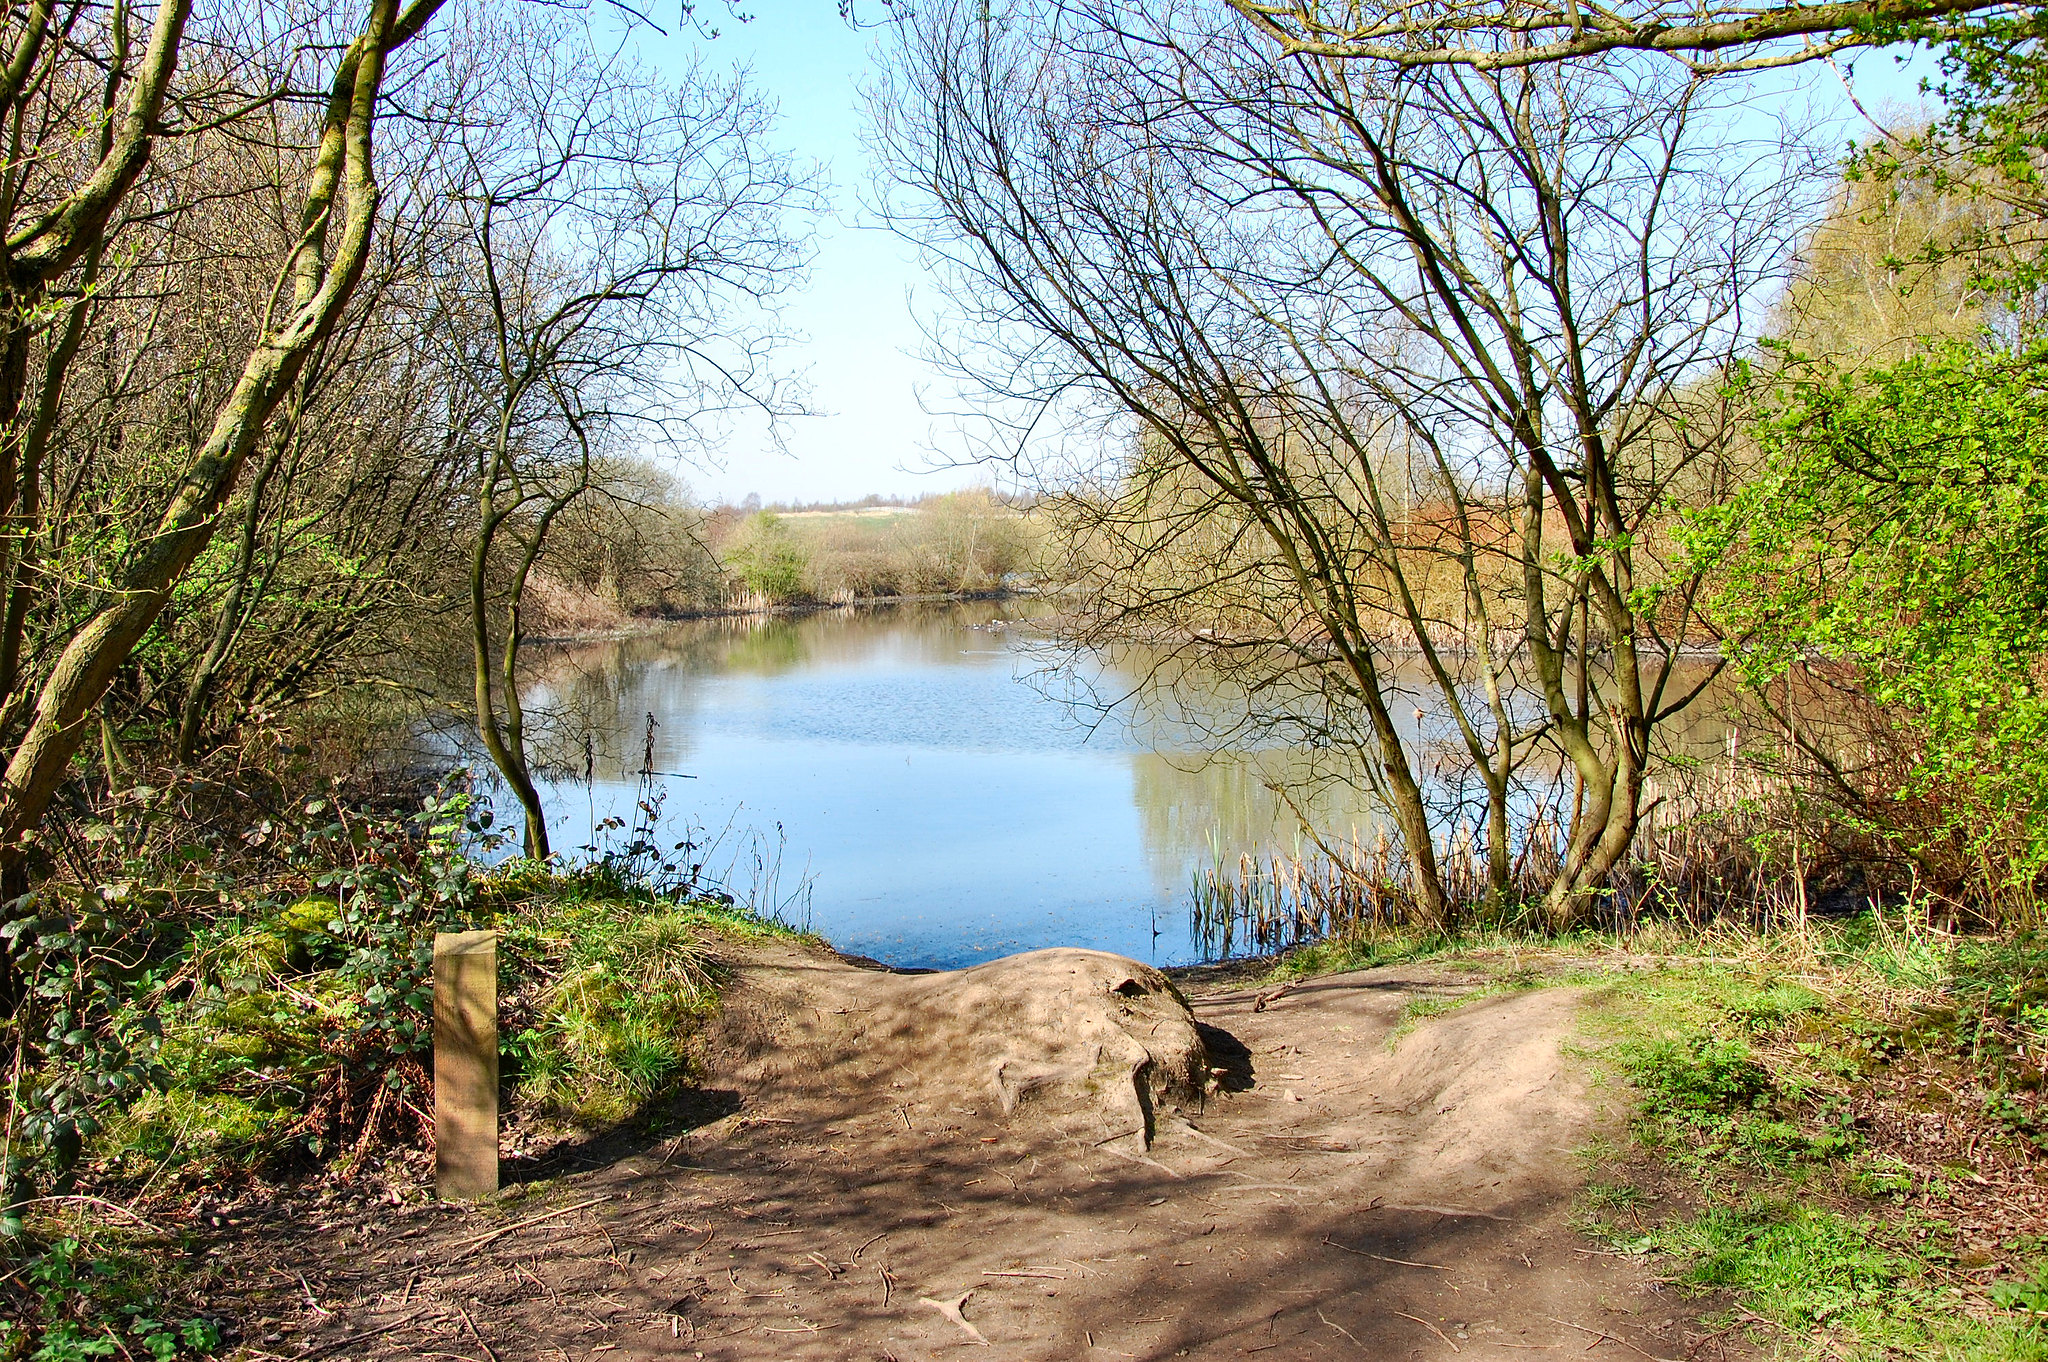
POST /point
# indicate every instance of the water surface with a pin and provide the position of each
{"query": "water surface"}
(938, 789)
(938, 786)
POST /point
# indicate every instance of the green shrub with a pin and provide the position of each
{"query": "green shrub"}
(767, 559)
(1797, 1264)
(79, 1305)
(1698, 1074)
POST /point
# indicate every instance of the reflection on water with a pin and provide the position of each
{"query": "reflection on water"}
(929, 775)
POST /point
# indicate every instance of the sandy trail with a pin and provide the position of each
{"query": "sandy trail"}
(1340, 1196)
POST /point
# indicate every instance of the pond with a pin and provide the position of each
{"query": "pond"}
(919, 771)
(923, 786)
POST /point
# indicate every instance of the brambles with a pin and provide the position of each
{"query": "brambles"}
(85, 1043)
(282, 1020)
(83, 1302)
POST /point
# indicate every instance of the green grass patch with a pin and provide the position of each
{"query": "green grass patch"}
(1826, 1284)
(1419, 1010)
(1490, 951)
(1339, 955)
(1747, 1082)
(614, 994)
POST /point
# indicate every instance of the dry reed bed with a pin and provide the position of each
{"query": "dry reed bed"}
(1734, 845)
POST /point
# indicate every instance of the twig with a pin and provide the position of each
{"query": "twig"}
(117, 1341)
(1427, 1325)
(474, 1333)
(1751, 1317)
(1442, 1210)
(1338, 1327)
(1404, 1262)
(307, 1288)
(149, 1225)
(1189, 1127)
(476, 1241)
(547, 1290)
(345, 1341)
(865, 1242)
(951, 1310)
(1139, 1158)
(1603, 1333)
(1048, 1276)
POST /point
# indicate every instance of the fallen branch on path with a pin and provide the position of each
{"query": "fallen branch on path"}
(1427, 1325)
(1339, 1328)
(477, 1241)
(475, 1334)
(1048, 1276)
(1189, 1128)
(1440, 1210)
(951, 1310)
(1605, 1334)
(1137, 1158)
(345, 1341)
(1404, 1262)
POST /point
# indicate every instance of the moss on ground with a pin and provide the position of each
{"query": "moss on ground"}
(276, 1020)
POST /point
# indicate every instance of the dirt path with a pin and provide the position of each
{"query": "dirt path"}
(1338, 1197)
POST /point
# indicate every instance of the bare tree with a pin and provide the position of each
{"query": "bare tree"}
(621, 242)
(1489, 35)
(62, 220)
(1517, 287)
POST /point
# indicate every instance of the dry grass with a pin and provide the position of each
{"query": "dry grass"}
(555, 609)
(1739, 842)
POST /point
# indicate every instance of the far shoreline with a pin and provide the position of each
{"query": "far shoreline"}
(647, 624)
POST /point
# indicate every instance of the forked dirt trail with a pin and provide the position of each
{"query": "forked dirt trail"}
(1331, 1196)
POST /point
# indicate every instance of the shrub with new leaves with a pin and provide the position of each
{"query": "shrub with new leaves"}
(1900, 527)
(767, 559)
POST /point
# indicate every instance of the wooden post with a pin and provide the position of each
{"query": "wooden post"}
(465, 1064)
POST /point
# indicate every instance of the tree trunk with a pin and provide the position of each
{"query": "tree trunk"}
(322, 286)
(199, 691)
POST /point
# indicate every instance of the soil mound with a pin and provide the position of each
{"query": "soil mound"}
(915, 1168)
(1068, 1035)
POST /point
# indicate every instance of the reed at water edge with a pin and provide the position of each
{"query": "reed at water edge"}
(1733, 847)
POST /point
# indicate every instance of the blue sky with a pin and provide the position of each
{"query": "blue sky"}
(862, 344)
(862, 348)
